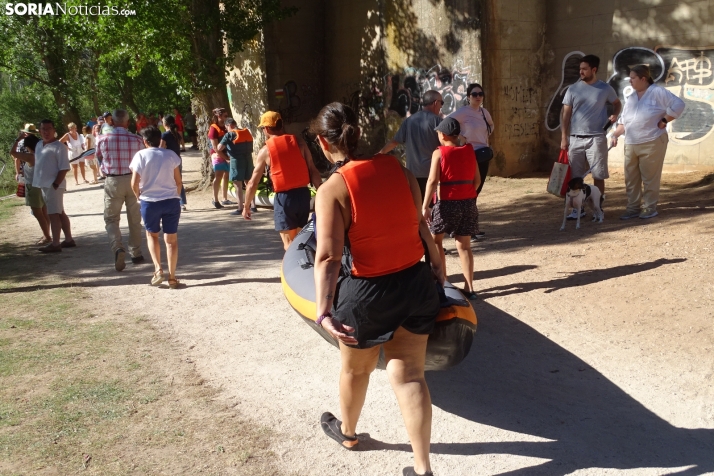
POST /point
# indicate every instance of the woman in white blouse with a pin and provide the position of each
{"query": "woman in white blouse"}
(644, 121)
(476, 126)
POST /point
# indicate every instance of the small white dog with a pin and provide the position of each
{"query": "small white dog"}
(577, 195)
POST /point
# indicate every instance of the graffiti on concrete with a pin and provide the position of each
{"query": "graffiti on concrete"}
(403, 92)
(296, 102)
(624, 60)
(686, 72)
(570, 75)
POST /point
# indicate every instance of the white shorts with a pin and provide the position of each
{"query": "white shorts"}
(588, 152)
(54, 199)
(92, 162)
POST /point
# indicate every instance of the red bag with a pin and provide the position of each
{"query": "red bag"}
(21, 188)
(560, 175)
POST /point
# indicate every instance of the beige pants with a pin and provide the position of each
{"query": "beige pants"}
(643, 166)
(117, 192)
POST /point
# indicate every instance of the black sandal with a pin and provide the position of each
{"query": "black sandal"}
(331, 426)
(409, 471)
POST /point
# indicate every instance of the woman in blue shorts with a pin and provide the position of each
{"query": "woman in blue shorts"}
(156, 182)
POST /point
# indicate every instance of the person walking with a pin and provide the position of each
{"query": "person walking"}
(388, 301)
(418, 133)
(476, 127)
(91, 161)
(221, 167)
(23, 151)
(584, 118)
(109, 123)
(51, 167)
(180, 128)
(237, 147)
(644, 121)
(454, 171)
(170, 140)
(291, 170)
(116, 149)
(156, 183)
(75, 142)
(190, 125)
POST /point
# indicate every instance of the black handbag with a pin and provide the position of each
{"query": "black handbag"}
(484, 154)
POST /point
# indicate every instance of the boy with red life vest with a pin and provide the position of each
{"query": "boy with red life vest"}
(455, 171)
(237, 147)
(291, 170)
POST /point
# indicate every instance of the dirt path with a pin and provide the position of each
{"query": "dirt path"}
(594, 355)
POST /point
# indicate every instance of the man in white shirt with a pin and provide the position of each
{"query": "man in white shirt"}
(51, 166)
(583, 121)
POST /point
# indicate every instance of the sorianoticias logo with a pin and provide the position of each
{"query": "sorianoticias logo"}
(39, 9)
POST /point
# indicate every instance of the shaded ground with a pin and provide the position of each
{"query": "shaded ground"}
(594, 355)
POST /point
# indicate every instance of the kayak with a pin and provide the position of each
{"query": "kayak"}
(450, 341)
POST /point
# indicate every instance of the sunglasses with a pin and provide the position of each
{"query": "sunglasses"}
(475, 94)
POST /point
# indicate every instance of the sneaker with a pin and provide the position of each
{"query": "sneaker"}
(648, 213)
(138, 259)
(409, 471)
(630, 214)
(253, 209)
(183, 208)
(475, 239)
(574, 214)
(480, 234)
(238, 212)
(216, 204)
(227, 202)
(119, 255)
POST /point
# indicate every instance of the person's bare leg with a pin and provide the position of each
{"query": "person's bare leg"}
(239, 193)
(56, 227)
(74, 171)
(357, 365)
(439, 240)
(600, 184)
(171, 240)
(94, 172)
(463, 246)
(216, 185)
(43, 220)
(66, 226)
(288, 236)
(152, 240)
(81, 171)
(405, 356)
(225, 186)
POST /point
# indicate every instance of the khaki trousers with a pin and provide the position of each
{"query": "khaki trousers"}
(643, 166)
(117, 192)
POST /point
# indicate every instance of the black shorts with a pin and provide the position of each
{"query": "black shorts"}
(459, 217)
(291, 209)
(377, 307)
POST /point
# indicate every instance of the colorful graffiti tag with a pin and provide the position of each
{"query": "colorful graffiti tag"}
(686, 72)
(403, 92)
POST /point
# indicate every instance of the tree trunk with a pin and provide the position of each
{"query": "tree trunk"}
(210, 78)
(55, 75)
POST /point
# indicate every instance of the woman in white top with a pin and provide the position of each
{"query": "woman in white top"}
(476, 126)
(91, 160)
(644, 121)
(75, 142)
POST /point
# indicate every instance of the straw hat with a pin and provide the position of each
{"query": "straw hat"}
(30, 129)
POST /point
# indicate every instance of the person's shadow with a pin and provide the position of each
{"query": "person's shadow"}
(518, 380)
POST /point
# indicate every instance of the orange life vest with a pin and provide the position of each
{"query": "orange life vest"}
(221, 131)
(242, 135)
(458, 169)
(384, 235)
(288, 169)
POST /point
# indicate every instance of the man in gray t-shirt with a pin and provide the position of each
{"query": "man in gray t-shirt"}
(419, 134)
(583, 122)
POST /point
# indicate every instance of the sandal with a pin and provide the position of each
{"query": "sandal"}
(158, 277)
(173, 283)
(332, 428)
(44, 241)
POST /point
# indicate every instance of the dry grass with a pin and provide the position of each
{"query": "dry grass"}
(83, 389)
